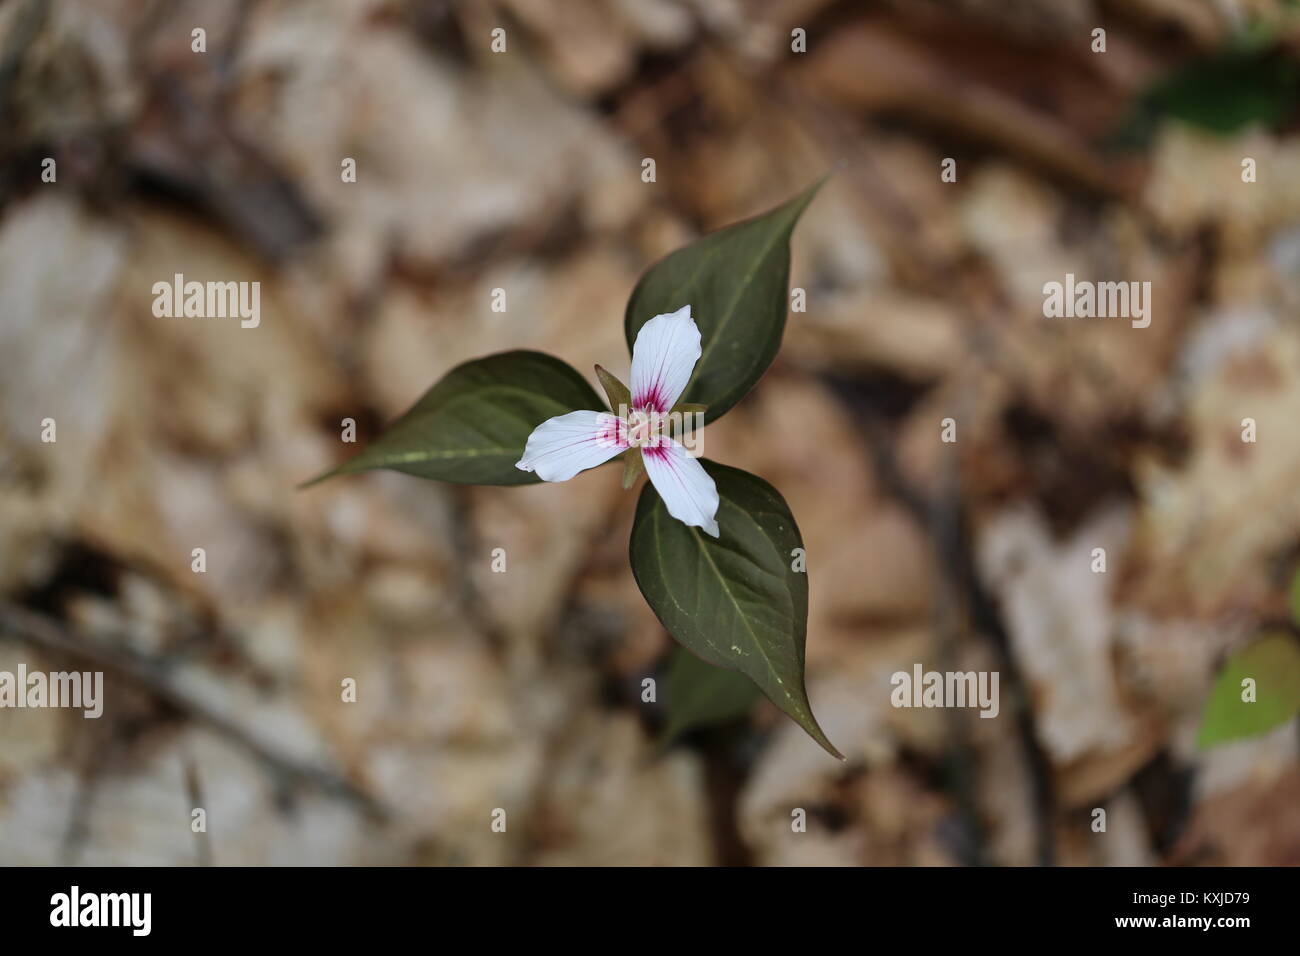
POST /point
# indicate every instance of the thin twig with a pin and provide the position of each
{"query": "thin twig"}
(954, 553)
(152, 678)
(194, 790)
(945, 526)
(78, 829)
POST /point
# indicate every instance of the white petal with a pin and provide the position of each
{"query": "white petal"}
(663, 357)
(688, 492)
(561, 447)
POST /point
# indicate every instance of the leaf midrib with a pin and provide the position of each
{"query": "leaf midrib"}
(481, 452)
(781, 234)
(735, 301)
(695, 536)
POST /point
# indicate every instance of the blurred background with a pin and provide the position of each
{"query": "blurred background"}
(521, 170)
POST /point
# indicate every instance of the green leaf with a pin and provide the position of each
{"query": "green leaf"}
(736, 283)
(633, 467)
(688, 408)
(1274, 664)
(735, 601)
(472, 426)
(1231, 90)
(701, 695)
(615, 390)
(1293, 598)
(1242, 84)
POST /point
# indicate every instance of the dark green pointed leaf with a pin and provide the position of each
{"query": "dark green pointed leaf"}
(735, 600)
(1274, 664)
(701, 695)
(472, 426)
(736, 283)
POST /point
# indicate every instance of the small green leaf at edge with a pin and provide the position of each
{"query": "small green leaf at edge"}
(615, 391)
(1293, 598)
(701, 695)
(705, 590)
(471, 427)
(633, 467)
(689, 408)
(736, 281)
(1274, 663)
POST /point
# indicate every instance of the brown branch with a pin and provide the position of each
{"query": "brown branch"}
(950, 536)
(151, 677)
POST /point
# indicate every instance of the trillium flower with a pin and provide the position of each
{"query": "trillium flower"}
(663, 358)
